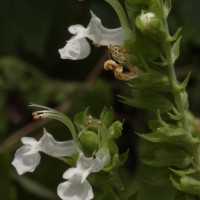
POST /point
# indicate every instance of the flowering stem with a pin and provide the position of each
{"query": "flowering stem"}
(122, 16)
(179, 101)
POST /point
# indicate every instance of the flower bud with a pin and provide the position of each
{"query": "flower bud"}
(89, 142)
(151, 25)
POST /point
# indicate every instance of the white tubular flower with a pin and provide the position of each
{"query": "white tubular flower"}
(27, 157)
(78, 48)
(77, 191)
(77, 187)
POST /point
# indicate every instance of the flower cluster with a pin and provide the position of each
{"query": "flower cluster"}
(76, 187)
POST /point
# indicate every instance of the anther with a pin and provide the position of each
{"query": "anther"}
(110, 65)
(90, 119)
(99, 122)
(36, 116)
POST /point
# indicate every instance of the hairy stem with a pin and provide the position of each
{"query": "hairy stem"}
(179, 101)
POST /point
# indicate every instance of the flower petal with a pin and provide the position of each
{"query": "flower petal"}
(25, 163)
(70, 190)
(32, 143)
(76, 174)
(75, 49)
(78, 48)
(102, 158)
(84, 166)
(54, 148)
(103, 36)
(94, 163)
(78, 30)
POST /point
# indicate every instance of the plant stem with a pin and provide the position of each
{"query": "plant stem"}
(179, 101)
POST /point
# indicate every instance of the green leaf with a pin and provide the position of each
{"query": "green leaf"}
(167, 7)
(81, 119)
(190, 185)
(112, 147)
(187, 184)
(168, 156)
(176, 49)
(151, 80)
(176, 117)
(116, 161)
(165, 134)
(142, 46)
(115, 130)
(185, 82)
(148, 100)
(154, 124)
(156, 7)
(123, 157)
(175, 183)
(159, 122)
(182, 173)
(106, 116)
(108, 193)
(176, 35)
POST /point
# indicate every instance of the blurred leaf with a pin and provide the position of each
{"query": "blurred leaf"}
(35, 187)
(168, 156)
(166, 134)
(7, 191)
(108, 193)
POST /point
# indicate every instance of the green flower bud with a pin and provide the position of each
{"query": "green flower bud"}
(151, 25)
(89, 142)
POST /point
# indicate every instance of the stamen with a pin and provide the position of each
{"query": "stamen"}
(41, 114)
(118, 54)
(99, 122)
(118, 63)
(36, 116)
(110, 65)
(53, 114)
(90, 120)
(96, 44)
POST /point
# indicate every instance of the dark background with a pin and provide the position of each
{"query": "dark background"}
(31, 32)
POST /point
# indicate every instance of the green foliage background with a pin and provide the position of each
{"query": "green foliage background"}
(31, 32)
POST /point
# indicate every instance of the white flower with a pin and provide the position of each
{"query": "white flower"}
(77, 187)
(78, 48)
(70, 190)
(27, 157)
